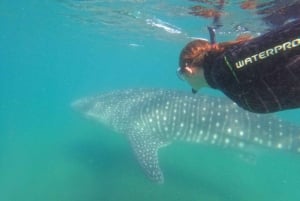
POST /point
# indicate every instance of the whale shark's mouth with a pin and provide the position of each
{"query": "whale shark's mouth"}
(81, 105)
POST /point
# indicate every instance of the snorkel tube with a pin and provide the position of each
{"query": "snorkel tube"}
(216, 23)
(212, 35)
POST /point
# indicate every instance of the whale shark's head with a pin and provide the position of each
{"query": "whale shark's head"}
(96, 107)
(111, 109)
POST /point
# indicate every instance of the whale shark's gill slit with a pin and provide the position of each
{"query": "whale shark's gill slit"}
(291, 140)
(188, 111)
(145, 115)
(210, 134)
(248, 126)
(224, 129)
(171, 118)
(243, 133)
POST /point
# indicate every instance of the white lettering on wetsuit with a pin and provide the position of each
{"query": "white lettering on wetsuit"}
(267, 53)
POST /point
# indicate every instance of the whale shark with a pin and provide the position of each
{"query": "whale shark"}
(154, 118)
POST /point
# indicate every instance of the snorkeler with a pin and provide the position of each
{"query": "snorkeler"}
(260, 74)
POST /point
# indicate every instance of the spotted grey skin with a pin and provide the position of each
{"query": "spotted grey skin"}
(153, 118)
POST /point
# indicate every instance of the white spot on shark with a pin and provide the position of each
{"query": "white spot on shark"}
(241, 133)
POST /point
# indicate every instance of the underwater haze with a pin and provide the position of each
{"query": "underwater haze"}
(55, 51)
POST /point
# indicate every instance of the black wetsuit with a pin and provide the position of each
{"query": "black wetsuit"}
(261, 75)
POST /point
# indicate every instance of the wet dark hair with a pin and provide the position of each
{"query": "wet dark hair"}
(193, 53)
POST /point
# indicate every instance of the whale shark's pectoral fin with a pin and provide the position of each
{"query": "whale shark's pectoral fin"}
(146, 150)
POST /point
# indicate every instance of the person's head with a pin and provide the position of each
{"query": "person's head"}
(191, 63)
(192, 58)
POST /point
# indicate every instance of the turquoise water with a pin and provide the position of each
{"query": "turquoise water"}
(53, 52)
